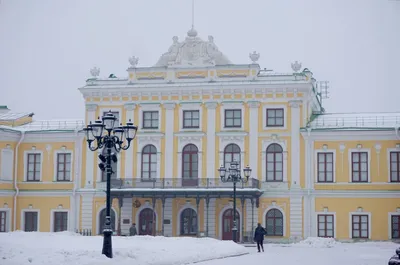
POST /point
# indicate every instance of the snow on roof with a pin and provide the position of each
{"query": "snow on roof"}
(356, 120)
(11, 116)
(50, 125)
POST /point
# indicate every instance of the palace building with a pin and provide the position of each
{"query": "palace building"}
(314, 173)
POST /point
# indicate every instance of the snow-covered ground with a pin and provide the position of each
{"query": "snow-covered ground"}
(19, 248)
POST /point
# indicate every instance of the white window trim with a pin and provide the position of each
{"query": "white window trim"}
(149, 107)
(389, 150)
(22, 224)
(56, 152)
(231, 105)
(355, 150)
(225, 140)
(274, 106)
(182, 142)
(351, 224)
(283, 216)
(390, 223)
(2, 176)
(265, 144)
(334, 222)
(52, 212)
(8, 218)
(141, 143)
(190, 106)
(317, 151)
(178, 225)
(221, 213)
(26, 164)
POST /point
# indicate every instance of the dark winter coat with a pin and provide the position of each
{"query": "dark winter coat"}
(132, 231)
(259, 233)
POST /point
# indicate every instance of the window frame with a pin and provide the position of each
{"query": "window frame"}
(390, 151)
(22, 224)
(53, 219)
(56, 165)
(274, 163)
(359, 163)
(26, 164)
(144, 112)
(274, 222)
(231, 105)
(325, 153)
(351, 225)
(150, 162)
(191, 119)
(390, 225)
(274, 106)
(275, 124)
(191, 154)
(233, 118)
(224, 156)
(5, 225)
(326, 215)
(350, 161)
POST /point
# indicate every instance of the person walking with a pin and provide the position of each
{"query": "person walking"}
(133, 230)
(259, 236)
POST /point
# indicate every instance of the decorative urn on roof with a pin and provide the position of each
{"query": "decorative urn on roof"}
(254, 57)
(134, 61)
(95, 71)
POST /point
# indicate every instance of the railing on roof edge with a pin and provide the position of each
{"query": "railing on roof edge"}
(362, 121)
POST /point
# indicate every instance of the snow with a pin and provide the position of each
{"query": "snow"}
(66, 248)
(316, 251)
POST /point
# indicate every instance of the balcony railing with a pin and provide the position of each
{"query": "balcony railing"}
(178, 183)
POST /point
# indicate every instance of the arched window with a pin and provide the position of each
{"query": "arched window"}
(149, 162)
(231, 153)
(188, 222)
(274, 223)
(114, 167)
(274, 163)
(190, 162)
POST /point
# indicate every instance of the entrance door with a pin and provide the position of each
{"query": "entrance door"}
(146, 222)
(227, 225)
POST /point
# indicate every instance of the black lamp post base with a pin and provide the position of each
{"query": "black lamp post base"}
(107, 244)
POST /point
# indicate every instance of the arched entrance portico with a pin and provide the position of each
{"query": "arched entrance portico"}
(227, 225)
(146, 219)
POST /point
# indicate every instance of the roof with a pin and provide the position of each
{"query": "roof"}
(49, 125)
(356, 120)
(193, 51)
(11, 116)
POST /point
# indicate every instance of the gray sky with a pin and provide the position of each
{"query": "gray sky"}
(48, 47)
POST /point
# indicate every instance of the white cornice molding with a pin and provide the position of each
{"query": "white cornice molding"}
(343, 135)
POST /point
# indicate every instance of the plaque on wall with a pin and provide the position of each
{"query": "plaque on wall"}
(126, 221)
(167, 221)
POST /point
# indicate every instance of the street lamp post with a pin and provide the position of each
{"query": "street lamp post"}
(234, 176)
(117, 138)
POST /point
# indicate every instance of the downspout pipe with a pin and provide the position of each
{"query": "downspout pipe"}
(15, 181)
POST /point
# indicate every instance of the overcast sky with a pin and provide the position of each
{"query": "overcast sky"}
(48, 47)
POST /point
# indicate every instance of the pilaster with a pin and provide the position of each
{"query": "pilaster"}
(253, 137)
(169, 139)
(295, 150)
(89, 172)
(129, 163)
(211, 106)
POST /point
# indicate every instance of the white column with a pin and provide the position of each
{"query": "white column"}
(253, 137)
(89, 173)
(126, 213)
(211, 106)
(129, 107)
(87, 212)
(295, 151)
(169, 139)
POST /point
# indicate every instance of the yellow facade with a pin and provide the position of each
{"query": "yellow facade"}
(305, 178)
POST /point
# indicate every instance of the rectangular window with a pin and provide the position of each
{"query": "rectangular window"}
(395, 226)
(325, 167)
(233, 118)
(60, 221)
(325, 225)
(275, 118)
(359, 169)
(31, 221)
(394, 166)
(191, 119)
(360, 226)
(150, 119)
(63, 167)
(3, 221)
(33, 169)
